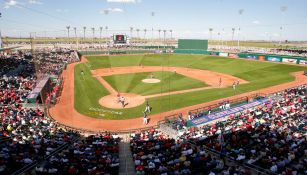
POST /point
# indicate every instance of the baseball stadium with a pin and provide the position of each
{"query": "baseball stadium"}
(154, 92)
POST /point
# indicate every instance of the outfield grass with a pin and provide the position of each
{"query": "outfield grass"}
(132, 83)
(259, 74)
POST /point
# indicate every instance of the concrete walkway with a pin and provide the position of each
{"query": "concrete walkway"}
(126, 164)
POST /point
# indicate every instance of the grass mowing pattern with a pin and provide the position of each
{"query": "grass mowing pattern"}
(132, 83)
(259, 74)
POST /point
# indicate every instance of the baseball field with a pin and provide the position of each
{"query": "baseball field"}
(184, 80)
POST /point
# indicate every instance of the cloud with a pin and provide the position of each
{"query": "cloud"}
(62, 10)
(256, 22)
(124, 1)
(111, 10)
(10, 3)
(35, 2)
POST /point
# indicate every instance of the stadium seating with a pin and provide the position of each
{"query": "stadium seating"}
(270, 138)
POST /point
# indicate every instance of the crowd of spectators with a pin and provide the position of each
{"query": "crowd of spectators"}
(155, 153)
(31, 134)
(271, 137)
(95, 154)
(53, 61)
(28, 136)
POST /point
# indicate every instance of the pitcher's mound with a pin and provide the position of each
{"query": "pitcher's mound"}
(151, 80)
(131, 100)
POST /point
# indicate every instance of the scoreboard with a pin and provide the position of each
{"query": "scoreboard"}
(119, 39)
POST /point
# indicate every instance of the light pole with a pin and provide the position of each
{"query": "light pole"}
(239, 28)
(283, 9)
(152, 29)
(210, 30)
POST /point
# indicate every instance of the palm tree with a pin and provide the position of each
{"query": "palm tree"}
(131, 30)
(233, 33)
(93, 30)
(100, 32)
(145, 30)
(137, 31)
(68, 27)
(75, 30)
(159, 33)
(84, 28)
(164, 38)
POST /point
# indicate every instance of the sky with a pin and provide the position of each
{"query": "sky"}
(256, 19)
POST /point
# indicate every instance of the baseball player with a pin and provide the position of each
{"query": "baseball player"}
(145, 118)
(147, 108)
(122, 100)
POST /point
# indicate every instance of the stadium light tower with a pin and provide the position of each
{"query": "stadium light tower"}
(283, 9)
(210, 30)
(239, 28)
(152, 29)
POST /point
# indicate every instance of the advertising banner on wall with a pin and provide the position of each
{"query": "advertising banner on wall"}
(304, 62)
(274, 59)
(233, 55)
(214, 53)
(223, 54)
(289, 60)
(261, 58)
(252, 57)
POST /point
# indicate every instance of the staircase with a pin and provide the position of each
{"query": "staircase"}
(166, 129)
(126, 164)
